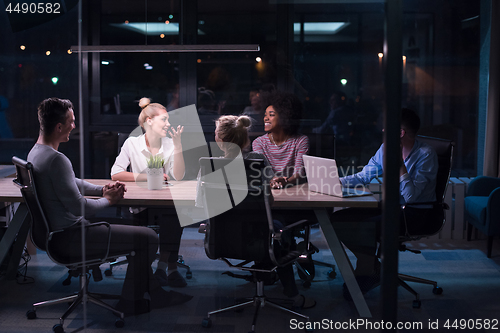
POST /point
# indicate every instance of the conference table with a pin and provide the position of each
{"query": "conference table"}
(182, 194)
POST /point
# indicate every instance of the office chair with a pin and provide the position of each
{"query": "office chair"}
(306, 266)
(180, 260)
(434, 218)
(240, 226)
(482, 208)
(41, 236)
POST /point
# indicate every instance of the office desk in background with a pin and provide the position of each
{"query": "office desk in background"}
(297, 197)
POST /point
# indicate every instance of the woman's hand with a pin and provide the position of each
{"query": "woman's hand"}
(176, 136)
(278, 182)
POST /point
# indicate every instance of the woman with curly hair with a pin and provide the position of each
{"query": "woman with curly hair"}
(283, 146)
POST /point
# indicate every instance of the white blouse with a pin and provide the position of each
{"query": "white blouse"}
(135, 153)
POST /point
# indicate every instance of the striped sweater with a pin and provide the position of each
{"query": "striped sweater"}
(285, 159)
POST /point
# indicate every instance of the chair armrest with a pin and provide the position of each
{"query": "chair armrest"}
(296, 224)
(304, 223)
(434, 204)
(294, 255)
(482, 186)
(105, 253)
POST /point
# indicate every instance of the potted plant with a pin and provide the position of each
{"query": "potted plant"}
(155, 172)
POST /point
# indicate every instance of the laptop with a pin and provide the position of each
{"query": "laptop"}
(323, 177)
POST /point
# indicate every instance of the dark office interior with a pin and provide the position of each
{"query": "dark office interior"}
(314, 49)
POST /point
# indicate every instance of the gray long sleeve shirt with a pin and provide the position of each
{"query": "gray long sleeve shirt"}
(59, 190)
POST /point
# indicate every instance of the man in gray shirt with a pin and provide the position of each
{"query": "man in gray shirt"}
(61, 198)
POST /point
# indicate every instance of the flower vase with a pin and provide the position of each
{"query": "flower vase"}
(155, 179)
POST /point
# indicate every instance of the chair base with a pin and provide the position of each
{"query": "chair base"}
(258, 301)
(180, 263)
(77, 299)
(402, 278)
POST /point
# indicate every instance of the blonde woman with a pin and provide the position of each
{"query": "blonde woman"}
(135, 153)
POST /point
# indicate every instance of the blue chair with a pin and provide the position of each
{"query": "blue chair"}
(482, 208)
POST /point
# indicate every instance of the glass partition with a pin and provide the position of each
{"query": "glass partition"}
(31, 69)
(334, 62)
(339, 76)
(441, 73)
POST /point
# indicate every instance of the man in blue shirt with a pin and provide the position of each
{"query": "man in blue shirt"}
(359, 228)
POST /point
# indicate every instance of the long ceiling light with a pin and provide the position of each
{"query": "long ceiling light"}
(168, 48)
(152, 28)
(320, 28)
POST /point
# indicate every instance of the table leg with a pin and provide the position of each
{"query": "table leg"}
(343, 262)
(16, 234)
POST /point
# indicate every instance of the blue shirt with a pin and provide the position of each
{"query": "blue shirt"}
(418, 185)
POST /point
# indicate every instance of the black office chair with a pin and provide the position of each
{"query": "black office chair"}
(433, 218)
(237, 200)
(41, 236)
(119, 212)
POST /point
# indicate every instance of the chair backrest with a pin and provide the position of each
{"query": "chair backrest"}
(25, 181)
(444, 151)
(121, 140)
(424, 222)
(242, 229)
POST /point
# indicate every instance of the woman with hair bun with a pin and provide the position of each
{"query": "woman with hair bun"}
(231, 135)
(134, 153)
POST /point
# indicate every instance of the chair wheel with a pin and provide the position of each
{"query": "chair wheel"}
(58, 328)
(206, 322)
(306, 284)
(108, 272)
(332, 274)
(119, 323)
(437, 290)
(416, 304)
(189, 275)
(180, 261)
(31, 314)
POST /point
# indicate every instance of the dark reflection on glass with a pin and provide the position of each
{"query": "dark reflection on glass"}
(126, 77)
(139, 22)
